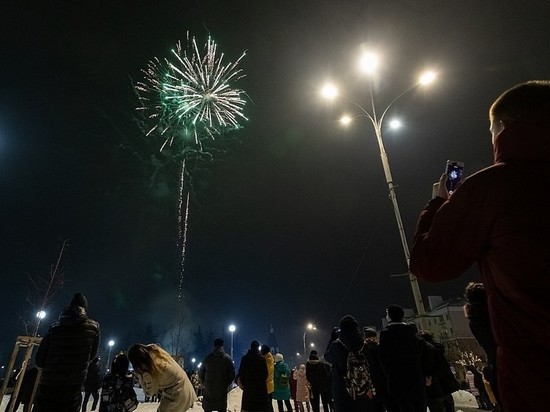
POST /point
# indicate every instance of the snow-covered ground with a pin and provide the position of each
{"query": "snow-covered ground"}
(464, 401)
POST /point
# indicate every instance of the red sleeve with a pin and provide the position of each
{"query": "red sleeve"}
(450, 235)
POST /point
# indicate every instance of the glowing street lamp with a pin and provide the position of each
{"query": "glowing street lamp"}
(310, 326)
(369, 63)
(111, 344)
(40, 315)
(232, 329)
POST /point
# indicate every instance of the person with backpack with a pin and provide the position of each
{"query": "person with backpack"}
(117, 389)
(281, 380)
(352, 387)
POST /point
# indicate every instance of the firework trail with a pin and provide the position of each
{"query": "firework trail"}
(182, 227)
(188, 98)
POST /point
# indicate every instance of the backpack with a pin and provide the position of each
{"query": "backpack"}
(358, 380)
(283, 380)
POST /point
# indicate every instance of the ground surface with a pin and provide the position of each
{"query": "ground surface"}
(464, 401)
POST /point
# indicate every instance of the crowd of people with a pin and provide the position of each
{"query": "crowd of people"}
(495, 217)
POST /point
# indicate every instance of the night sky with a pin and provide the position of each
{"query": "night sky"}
(291, 221)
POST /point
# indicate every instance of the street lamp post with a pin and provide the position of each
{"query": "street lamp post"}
(369, 64)
(232, 329)
(310, 326)
(111, 344)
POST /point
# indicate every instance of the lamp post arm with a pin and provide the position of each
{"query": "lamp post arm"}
(365, 113)
(399, 96)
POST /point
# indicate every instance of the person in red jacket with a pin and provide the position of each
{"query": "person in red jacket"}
(498, 218)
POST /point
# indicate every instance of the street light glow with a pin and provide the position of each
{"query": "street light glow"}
(41, 315)
(427, 78)
(232, 328)
(395, 124)
(329, 91)
(111, 343)
(368, 62)
(345, 120)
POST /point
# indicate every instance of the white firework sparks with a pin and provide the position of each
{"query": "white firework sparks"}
(192, 94)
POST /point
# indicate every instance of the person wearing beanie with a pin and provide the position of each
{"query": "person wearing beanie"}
(252, 377)
(79, 300)
(282, 380)
(63, 357)
(406, 360)
(318, 376)
(216, 373)
(350, 338)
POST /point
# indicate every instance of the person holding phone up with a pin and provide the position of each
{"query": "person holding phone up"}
(498, 218)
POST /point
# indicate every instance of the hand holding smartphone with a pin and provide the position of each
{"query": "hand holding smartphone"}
(454, 171)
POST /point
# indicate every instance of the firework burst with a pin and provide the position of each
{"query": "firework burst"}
(187, 98)
(192, 94)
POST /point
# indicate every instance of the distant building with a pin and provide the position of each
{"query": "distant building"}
(272, 340)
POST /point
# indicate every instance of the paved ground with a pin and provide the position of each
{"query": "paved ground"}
(463, 403)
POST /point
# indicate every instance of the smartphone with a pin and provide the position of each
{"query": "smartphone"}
(454, 172)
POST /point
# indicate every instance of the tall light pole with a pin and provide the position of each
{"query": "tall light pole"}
(111, 344)
(369, 63)
(310, 326)
(232, 329)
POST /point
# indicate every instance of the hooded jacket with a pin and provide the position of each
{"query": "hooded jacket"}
(216, 374)
(498, 218)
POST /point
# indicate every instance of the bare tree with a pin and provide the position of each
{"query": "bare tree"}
(44, 288)
(177, 349)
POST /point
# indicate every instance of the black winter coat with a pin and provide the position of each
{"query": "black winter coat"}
(318, 376)
(93, 377)
(216, 374)
(400, 357)
(67, 348)
(253, 374)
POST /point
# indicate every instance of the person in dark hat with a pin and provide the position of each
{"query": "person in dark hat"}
(63, 356)
(252, 375)
(318, 376)
(216, 373)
